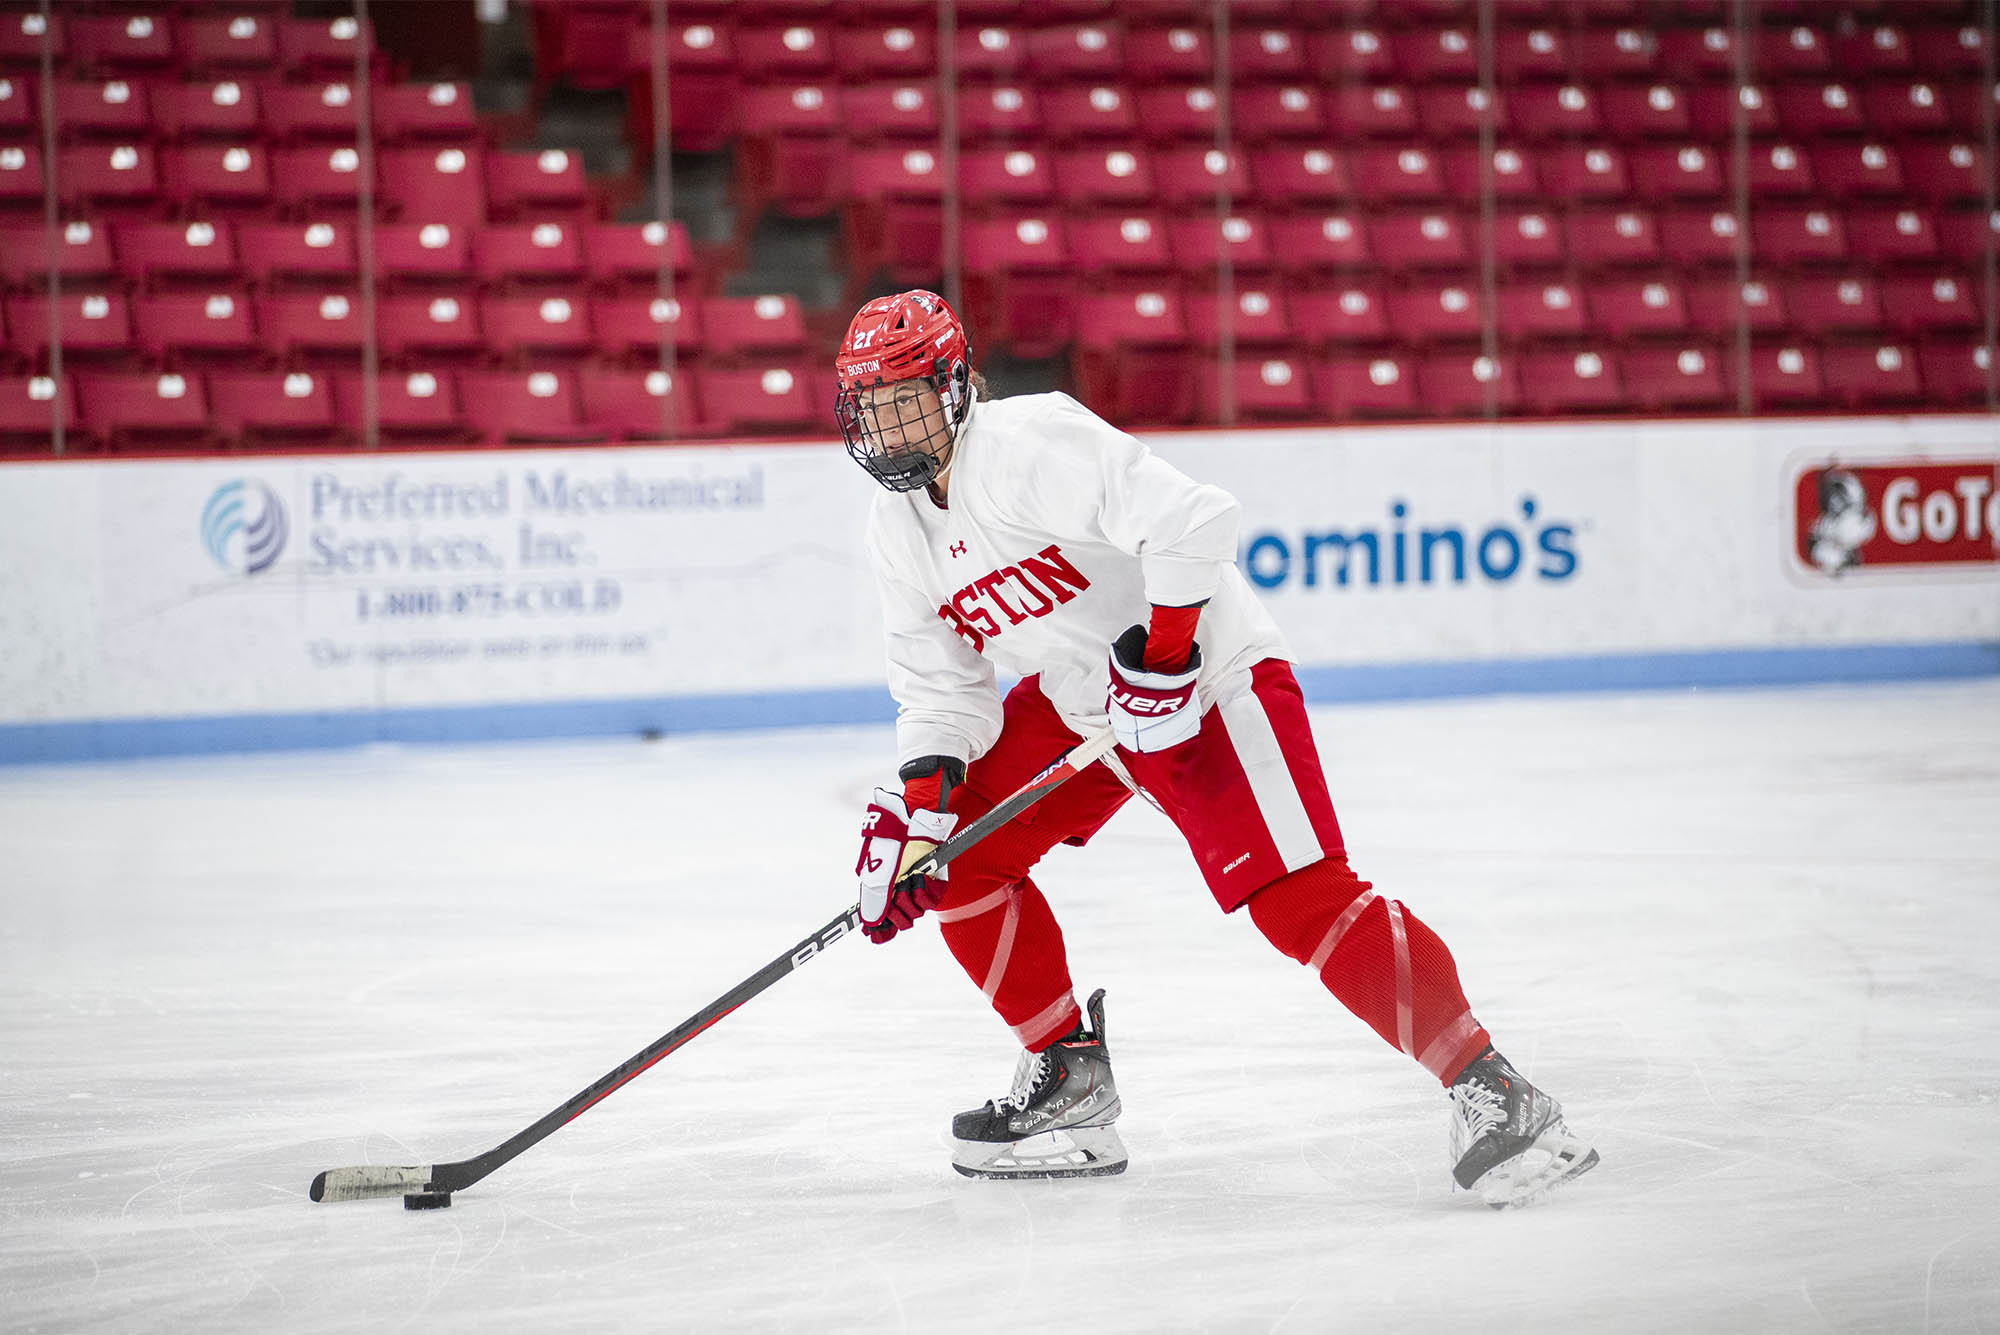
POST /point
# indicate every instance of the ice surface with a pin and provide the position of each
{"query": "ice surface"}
(1750, 939)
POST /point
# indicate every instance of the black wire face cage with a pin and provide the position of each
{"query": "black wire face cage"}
(917, 459)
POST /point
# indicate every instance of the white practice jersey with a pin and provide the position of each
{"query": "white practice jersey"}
(1061, 532)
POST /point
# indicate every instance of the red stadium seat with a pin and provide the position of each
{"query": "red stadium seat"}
(1513, 176)
(1362, 386)
(106, 174)
(1906, 107)
(1791, 235)
(1350, 54)
(1387, 110)
(1940, 170)
(1956, 371)
(505, 253)
(1613, 236)
(527, 406)
(1522, 54)
(91, 323)
(1713, 109)
(641, 403)
(1849, 169)
(1258, 318)
(990, 51)
(1665, 377)
(226, 108)
(1019, 290)
(226, 41)
(102, 107)
(1699, 237)
(1719, 305)
(541, 322)
(257, 407)
(1876, 374)
(1929, 302)
(789, 52)
(422, 251)
(1528, 238)
(125, 408)
(1951, 47)
(1259, 112)
(435, 183)
(20, 104)
(1347, 313)
(1967, 234)
(1547, 110)
(1813, 108)
(1707, 51)
(1466, 383)
(1077, 51)
(1795, 50)
(1198, 244)
(277, 252)
(1427, 238)
(1088, 111)
(1168, 54)
(1436, 311)
(32, 406)
(1390, 174)
(536, 183)
(1890, 235)
(121, 41)
(1266, 52)
(1872, 48)
(773, 396)
(1819, 303)
(1585, 171)
(306, 323)
(221, 175)
(1781, 169)
(891, 50)
(403, 111)
(1552, 309)
(743, 326)
(1319, 241)
(1677, 170)
(1427, 54)
(1172, 112)
(635, 323)
(1120, 242)
(1003, 111)
(1571, 381)
(1615, 52)
(23, 36)
(1300, 177)
(327, 109)
(82, 251)
(1006, 176)
(428, 323)
(211, 323)
(1647, 110)
(1264, 389)
(317, 176)
(1105, 176)
(1129, 317)
(632, 251)
(410, 405)
(1455, 111)
(322, 45)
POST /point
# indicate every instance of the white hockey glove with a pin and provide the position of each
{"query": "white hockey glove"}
(1151, 711)
(892, 838)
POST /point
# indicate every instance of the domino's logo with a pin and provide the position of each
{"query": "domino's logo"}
(243, 527)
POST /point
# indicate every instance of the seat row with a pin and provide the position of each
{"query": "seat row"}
(1063, 113)
(242, 37)
(451, 182)
(327, 250)
(576, 404)
(168, 107)
(295, 324)
(599, 43)
(1172, 388)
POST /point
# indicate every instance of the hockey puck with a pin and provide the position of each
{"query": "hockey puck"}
(427, 1200)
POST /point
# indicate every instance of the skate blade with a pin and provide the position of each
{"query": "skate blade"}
(1556, 1158)
(1078, 1151)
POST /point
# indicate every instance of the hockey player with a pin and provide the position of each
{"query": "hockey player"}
(1027, 534)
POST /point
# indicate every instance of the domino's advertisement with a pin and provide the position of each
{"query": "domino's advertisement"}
(159, 606)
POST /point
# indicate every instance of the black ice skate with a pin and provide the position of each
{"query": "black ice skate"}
(1057, 1120)
(1508, 1139)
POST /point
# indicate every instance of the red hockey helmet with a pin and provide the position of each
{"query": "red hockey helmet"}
(903, 436)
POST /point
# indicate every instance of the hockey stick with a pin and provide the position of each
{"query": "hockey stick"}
(440, 1180)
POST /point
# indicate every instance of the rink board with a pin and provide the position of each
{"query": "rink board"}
(159, 606)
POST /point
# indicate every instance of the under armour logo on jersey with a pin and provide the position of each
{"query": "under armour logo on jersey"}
(957, 550)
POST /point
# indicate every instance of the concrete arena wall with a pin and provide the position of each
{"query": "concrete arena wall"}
(161, 606)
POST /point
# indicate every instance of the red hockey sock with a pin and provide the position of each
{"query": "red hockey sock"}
(1373, 954)
(1004, 935)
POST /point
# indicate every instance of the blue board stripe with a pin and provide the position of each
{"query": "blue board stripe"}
(29, 743)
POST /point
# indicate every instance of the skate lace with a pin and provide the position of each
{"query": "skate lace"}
(1476, 1108)
(1028, 1074)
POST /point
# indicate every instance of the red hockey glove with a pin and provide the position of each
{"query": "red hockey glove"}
(1151, 711)
(893, 837)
